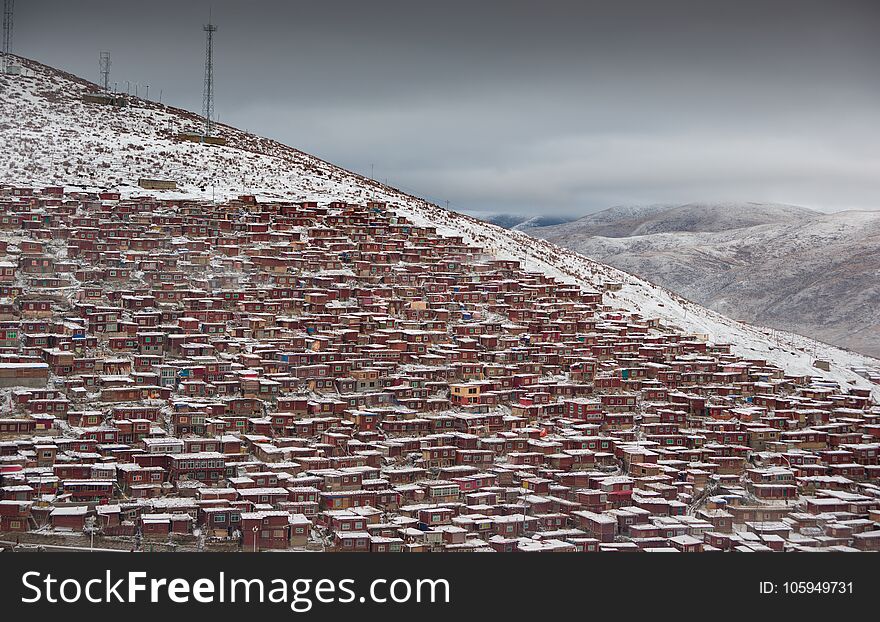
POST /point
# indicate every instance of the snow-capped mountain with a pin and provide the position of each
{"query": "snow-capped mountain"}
(782, 266)
(50, 136)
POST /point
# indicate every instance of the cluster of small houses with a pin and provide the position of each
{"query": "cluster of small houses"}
(290, 375)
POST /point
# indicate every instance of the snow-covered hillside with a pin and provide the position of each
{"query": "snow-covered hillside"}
(49, 136)
(636, 220)
(780, 266)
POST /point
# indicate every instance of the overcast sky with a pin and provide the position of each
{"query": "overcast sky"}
(520, 107)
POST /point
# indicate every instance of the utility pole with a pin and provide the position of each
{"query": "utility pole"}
(208, 89)
(8, 8)
(104, 70)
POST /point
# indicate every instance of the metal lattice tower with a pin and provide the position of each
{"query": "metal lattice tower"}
(104, 69)
(8, 7)
(208, 91)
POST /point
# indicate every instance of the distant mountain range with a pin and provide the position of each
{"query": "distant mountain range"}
(780, 266)
(519, 223)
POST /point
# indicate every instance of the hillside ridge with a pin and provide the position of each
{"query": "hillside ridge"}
(55, 138)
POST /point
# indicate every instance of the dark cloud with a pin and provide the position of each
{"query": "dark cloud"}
(552, 107)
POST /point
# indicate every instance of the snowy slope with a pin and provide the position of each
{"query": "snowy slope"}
(789, 268)
(637, 220)
(49, 136)
(540, 221)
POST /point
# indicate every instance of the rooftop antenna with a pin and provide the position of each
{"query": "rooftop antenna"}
(8, 7)
(208, 91)
(104, 70)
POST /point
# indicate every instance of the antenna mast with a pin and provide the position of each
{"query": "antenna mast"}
(104, 69)
(8, 7)
(208, 91)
